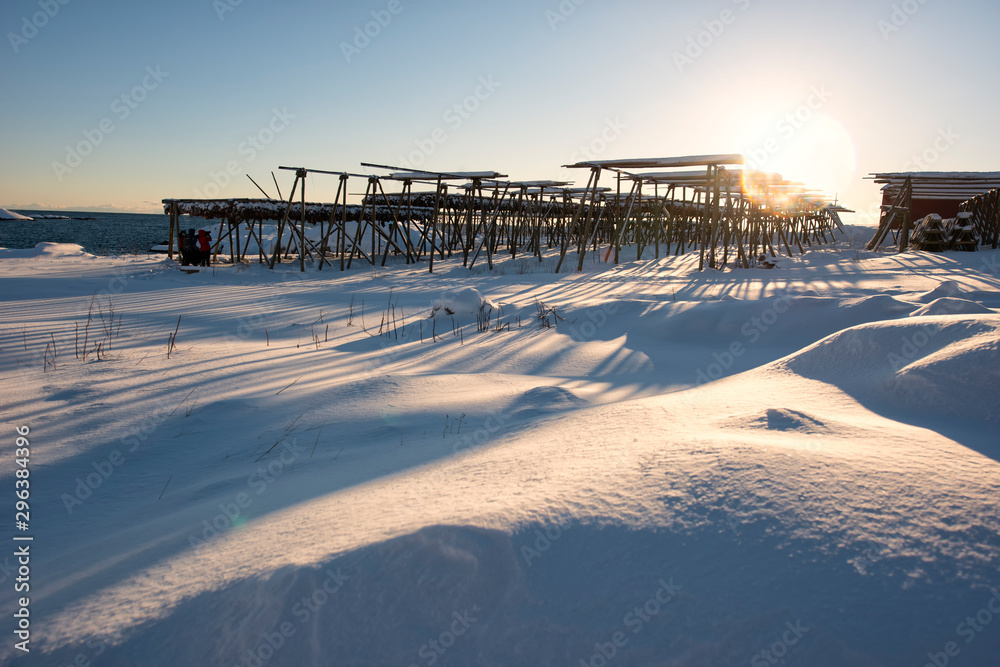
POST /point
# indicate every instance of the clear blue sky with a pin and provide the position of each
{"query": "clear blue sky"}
(161, 96)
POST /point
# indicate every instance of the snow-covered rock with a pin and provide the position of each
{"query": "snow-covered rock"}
(11, 215)
(463, 301)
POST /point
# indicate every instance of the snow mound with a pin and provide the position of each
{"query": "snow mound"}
(784, 419)
(46, 250)
(948, 288)
(382, 605)
(947, 305)
(548, 399)
(773, 320)
(884, 304)
(960, 380)
(464, 301)
(10, 215)
(947, 365)
(458, 596)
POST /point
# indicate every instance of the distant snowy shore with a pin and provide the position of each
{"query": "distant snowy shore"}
(11, 215)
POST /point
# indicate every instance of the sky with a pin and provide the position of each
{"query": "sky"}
(117, 105)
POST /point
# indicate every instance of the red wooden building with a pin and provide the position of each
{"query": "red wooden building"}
(940, 192)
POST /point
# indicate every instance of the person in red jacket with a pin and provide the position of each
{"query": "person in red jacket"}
(204, 247)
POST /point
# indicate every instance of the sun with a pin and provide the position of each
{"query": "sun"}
(813, 148)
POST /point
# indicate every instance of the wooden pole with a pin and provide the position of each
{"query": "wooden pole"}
(276, 255)
(564, 246)
(324, 245)
(173, 229)
(904, 233)
(302, 226)
(342, 232)
(434, 221)
(276, 185)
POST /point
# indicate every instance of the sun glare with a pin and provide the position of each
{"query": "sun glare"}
(812, 148)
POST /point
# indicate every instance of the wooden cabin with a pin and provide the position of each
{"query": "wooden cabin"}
(940, 192)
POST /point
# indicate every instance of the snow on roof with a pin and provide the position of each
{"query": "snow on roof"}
(663, 162)
(449, 175)
(695, 175)
(940, 193)
(495, 185)
(270, 209)
(936, 175)
(540, 184)
(948, 185)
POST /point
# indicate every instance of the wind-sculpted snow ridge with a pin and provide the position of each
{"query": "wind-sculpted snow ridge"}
(947, 305)
(946, 365)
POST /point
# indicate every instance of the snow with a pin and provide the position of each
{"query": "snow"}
(951, 306)
(463, 301)
(639, 464)
(10, 215)
(46, 250)
(686, 161)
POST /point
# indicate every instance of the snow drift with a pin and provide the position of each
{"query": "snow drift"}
(946, 365)
(657, 467)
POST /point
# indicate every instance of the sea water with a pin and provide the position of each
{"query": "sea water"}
(104, 234)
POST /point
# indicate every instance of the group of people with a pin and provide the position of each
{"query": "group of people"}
(194, 248)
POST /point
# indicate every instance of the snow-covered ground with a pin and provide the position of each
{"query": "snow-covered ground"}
(637, 464)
